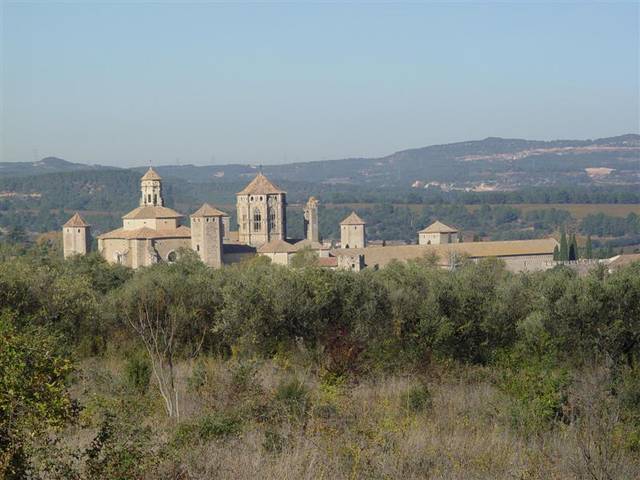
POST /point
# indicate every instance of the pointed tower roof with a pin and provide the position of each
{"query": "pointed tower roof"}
(151, 175)
(438, 227)
(207, 210)
(353, 219)
(76, 221)
(260, 185)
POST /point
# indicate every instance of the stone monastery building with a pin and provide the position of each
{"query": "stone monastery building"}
(153, 233)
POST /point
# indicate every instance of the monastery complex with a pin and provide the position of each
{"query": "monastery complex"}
(153, 233)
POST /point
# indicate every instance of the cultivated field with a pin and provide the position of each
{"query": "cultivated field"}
(577, 210)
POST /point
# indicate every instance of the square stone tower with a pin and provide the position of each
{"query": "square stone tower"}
(262, 210)
(352, 232)
(311, 229)
(206, 234)
(76, 236)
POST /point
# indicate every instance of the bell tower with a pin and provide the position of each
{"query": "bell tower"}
(151, 189)
(311, 231)
(206, 235)
(353, 232)
(76, 236)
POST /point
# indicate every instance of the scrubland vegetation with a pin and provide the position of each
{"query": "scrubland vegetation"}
(258, 371)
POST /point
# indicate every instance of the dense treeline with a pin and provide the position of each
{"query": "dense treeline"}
(407, 310)
(105, 195)
(530, 331)
(563, 194)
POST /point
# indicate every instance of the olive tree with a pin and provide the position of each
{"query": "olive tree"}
(172, 309)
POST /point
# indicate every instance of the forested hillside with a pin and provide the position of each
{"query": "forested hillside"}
(255, 370)
(39, 197)
(43, 203)
(502, 163)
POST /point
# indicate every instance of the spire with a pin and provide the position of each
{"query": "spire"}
(151, 175)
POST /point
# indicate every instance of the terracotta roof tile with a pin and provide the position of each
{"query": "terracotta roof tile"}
(624, 259)
(76, 221)
(147, 233)
(277, 246)
(438, 227)
(328, 261)
(306, 243)
(382, 256)
(353, 219)
(151, 175)
(149, 211)
(207, 210)
(260, 185)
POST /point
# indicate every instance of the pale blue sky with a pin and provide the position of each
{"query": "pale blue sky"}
(126, 83)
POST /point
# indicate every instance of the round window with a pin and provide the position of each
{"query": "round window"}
(172, 257)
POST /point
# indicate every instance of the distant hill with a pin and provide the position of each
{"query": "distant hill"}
(492, 163)
(480, 165)
(46, 165)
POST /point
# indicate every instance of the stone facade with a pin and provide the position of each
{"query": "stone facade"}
(153, 233)
(76, 236)
(353, 232)
(354, 262)
(438, 233)
(311, 228)
(151, 189)
(206, 235)
(262, 210)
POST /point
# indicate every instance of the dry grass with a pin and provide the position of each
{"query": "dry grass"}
(578, 210)
(367, 430)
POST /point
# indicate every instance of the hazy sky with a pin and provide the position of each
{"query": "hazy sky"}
(126, 83)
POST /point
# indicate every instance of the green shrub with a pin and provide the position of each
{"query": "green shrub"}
(627, 388)
(273, 442)
(138, 372)
(538, 391)
(417, 398)
(120, 451)
(294, 396)
(199, 376)
(34, 396)
(209, 427)
(243, 375)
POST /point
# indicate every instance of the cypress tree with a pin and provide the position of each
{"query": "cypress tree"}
(556, 253)
(589, 248)
(609, 251)
(573, 248)
(564, 247)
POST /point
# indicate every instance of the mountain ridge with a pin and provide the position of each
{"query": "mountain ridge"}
(505, 163)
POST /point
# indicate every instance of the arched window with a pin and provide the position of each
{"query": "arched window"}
(257, 220)
(272, 220)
